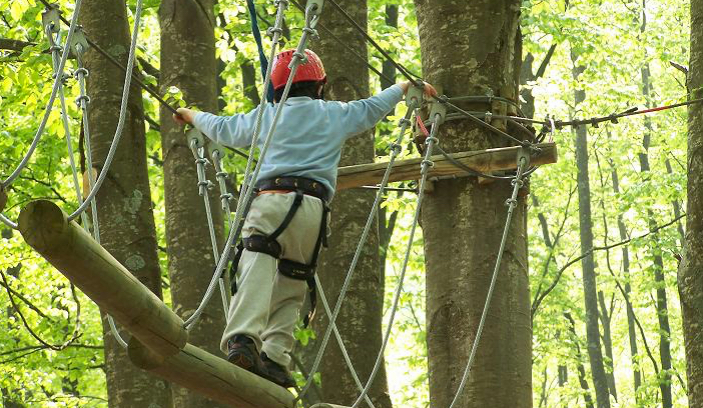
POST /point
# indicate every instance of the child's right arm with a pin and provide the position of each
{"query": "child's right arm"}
(233, 131)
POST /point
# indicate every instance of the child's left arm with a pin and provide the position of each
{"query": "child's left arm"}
(234, 131)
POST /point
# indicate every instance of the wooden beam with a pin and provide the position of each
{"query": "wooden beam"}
(214, 377)
(159, 342)
(323, 405)
(485, 161)
(90, 267)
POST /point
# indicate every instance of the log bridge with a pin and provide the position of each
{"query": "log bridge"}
(159, 342)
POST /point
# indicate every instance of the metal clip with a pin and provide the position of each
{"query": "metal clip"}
(523, 157)
(414, 97)
(51, 18)
(195, 138)
(79, 42)
(313, 10)
(214, 147)
(438, 109)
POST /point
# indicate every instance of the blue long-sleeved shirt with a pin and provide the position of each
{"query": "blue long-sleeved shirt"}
(310, 133)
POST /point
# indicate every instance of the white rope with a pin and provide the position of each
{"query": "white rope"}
(427, 164)
(122, 117)
(512, 203)
(395, 150)
(52, 98)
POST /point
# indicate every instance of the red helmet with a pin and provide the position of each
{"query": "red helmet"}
(312, 70)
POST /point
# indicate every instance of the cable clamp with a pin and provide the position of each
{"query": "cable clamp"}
(83, 99)
(283, 2)
(431, 139)
(81, 72)
(271, 31)
(51, 18)
(413, 99)
(55, 48)
(523, 157)
(517, 182)
(222, 174)
(404, 122)
(511, 202)
(427, 163)
(396, 148)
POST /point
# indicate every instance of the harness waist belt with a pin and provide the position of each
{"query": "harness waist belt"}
(307, 186)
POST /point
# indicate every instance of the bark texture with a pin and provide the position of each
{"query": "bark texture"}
(691, 270)
(359, 321)
(474, 48)
(188, 62)
(124, 201)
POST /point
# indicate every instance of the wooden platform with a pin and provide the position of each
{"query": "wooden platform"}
(484, 161)
(160, 341)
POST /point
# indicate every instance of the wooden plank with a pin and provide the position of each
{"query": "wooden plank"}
(212, 376)
(90, 267)
(485, 161)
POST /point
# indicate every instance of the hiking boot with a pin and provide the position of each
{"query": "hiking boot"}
(242, 353)
(276, 373)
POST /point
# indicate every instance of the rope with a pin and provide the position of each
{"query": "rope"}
(122, 117)
(427, 164)
(259, 45)
(203, 186)
(52, 98)
(512, 203)
(396, 148)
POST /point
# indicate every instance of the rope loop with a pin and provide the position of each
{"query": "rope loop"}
(271, 31)
(83, 99)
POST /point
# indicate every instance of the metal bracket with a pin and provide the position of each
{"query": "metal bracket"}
(194, 135)
(213, 147)
(79, 42)
(414, 97)
(51, 17)
(438, 109)
(313, 10)
(523, 154)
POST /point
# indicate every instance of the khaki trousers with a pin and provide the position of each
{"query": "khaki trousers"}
(267, 304)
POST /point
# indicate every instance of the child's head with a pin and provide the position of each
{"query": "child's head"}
(309, 79)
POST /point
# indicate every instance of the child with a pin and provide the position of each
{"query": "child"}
(286, 224)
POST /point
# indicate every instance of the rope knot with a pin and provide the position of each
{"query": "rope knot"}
(81, 72)
(83, 99)
(396, 148)
(427, 163)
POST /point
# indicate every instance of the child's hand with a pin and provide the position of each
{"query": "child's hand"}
(184, 117)
(430, 91)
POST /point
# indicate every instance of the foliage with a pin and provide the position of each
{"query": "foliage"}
(606, 36)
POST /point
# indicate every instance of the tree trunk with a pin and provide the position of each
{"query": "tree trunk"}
(605, 318)
(188, 62)
(691, 270)
(124, 201)
(590, 287)
(631, 330)
(463, 220)
(661, 302)
(359, 321)
(583, 382)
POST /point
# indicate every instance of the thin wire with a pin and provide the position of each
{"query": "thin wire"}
(122, 117)
(8, 222)
(512, 203)
(395, 151)
(426, 165)
(52, 98)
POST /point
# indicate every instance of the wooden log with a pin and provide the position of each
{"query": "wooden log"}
(3, 198)
(70, 249)
(213, 377)
(485, 161)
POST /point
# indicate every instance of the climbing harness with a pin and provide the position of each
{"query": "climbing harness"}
(413, 102)
(269, 245)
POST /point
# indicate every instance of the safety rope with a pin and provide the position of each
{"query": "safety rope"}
(263, 62)
(426, 164)
(522, 163)
(313, 11)
(54, 91)
(413, 101)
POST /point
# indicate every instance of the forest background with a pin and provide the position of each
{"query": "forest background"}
(631, 53)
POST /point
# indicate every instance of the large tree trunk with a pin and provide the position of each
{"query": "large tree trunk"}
(691, 270)
(359, 321)
(124, 201)
(588, 266)
(188, 62)
(474, 48)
